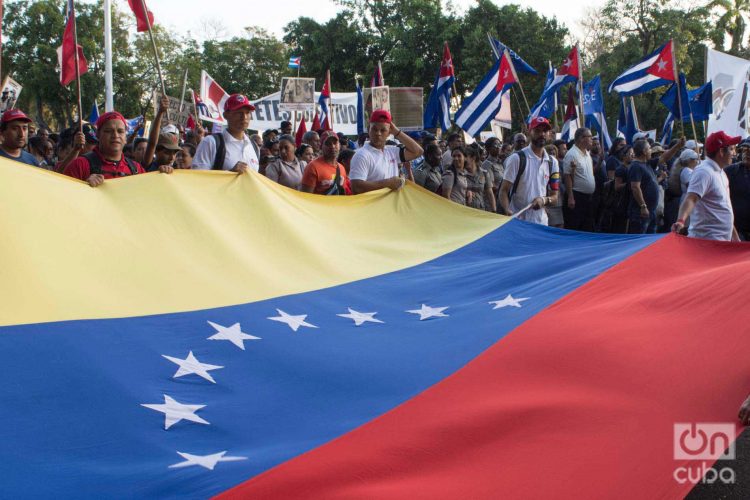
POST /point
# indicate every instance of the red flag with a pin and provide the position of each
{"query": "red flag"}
(506, 74)
(664, 66)
(301, 130)
(190, 123)
(140, 10)
(570, 67)
(316, 123)
(66, 53)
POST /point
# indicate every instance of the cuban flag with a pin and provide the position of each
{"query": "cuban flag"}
(627, 121)
(481, 106)
(547, 103)
(654, 70)
(377, 79)
(442, 360)
(295, 62)
(134, 124)
(214, 98)
(324, 101)
(568, 72)
(570, 124)
(593, 109)
(519, 64)
(666, 130)
(438, 104)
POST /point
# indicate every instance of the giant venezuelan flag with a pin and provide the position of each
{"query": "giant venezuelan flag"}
(204, 333)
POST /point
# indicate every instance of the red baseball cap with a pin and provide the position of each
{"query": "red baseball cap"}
(718, 140)
(238, 101)
(380, 116)
(328, 134)
(540, 121)
(13, 115)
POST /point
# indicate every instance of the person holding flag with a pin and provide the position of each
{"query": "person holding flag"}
(438, 104)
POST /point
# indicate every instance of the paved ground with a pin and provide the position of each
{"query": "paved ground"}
(741, 467)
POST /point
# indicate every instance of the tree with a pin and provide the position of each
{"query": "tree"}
(732, 20)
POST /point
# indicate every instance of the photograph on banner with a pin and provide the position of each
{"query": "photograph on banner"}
(730, 77)
(297, 94)
(176, 116)
(11, 91)
(407, 107)
(381, 98)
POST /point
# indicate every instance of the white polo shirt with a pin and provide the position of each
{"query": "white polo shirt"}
(236, 150)
(583, 180)
(712, 218)
(533, 184)
(372, 164)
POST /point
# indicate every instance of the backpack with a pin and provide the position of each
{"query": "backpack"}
(221, 151)
(95, 164)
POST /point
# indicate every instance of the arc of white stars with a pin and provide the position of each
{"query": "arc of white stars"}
(191, 365)
(205, 461)
(427, 312)
(293, 322)
(508, 301)
(174, 411)
(234, 334)
(360, 317)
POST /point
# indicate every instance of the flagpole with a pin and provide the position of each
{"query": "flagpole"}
(679, 93)
(156, 52)
(518, 81)
(108, 85)
(1, 40)
(580, 87)
(78, 71)
(184, 88)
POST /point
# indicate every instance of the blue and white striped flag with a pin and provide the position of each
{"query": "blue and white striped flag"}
(654, 70)
(439, 104)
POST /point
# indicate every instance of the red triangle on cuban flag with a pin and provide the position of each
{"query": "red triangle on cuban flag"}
(326, 90)
(570, 64)
(663, 67)
(506, 74)
(446, 66)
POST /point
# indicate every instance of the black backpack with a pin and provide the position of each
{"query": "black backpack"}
(95, 164)
(221, 151)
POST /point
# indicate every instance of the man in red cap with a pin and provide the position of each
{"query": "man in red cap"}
(14, 128)
(707, 202)
(375, 165)
(106, 161)
(231, 149)
(325, 175)
(529, 174)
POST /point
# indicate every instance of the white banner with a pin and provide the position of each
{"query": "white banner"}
(267, 114)
(730, 79)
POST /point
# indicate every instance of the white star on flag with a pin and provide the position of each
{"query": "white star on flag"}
(233, 334)
(360, 317)
(508, 301)
(175, 411)
(192, 365)
(662, 64)
(427, 312)
(294, 322)
(567, 62)
(206, 461)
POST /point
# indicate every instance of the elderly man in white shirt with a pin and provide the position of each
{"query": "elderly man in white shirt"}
(232, 149)
(578, 175)
(707, 202)
(375, 165)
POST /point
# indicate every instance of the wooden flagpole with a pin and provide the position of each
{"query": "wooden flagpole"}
(580, 87)
(156, 52)
(518, 80)
(78, 71)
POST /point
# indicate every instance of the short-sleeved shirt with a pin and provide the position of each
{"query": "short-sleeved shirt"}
(429, 177)
(457, 184)
(496, 168)
(81, 169)
(739, 191)
(476, 183)
(712, 218)
(685, 176)
(533, 184)
(643, 173)
(24, 157)
(237, 150)
(319, 175)
(287, 174)
(372, 164)
(583, 180)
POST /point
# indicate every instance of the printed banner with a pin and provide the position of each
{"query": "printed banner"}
(730, 76)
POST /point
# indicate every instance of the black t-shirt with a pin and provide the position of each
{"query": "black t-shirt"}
(643, 173)
(739, 192)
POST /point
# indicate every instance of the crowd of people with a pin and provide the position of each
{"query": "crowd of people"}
(636, 187)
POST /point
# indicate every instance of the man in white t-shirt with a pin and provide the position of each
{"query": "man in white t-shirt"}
(540, 172)
(375, 165)
(707, 202)
(232, 149)
(578, 175)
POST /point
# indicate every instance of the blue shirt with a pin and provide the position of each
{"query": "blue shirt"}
(25, 157)
(643, 173)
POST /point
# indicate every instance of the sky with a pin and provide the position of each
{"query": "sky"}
(234, 15)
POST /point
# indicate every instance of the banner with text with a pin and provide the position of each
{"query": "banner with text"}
(268, 115)
(730, 77)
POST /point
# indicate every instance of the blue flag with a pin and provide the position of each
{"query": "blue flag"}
(94, 113)
(547, 102)
(360, 110)
(670, 100)
(498, 47)
(593, 109)
(627, 121)
(701, 102)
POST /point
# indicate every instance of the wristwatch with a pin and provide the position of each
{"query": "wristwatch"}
(644, 206)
